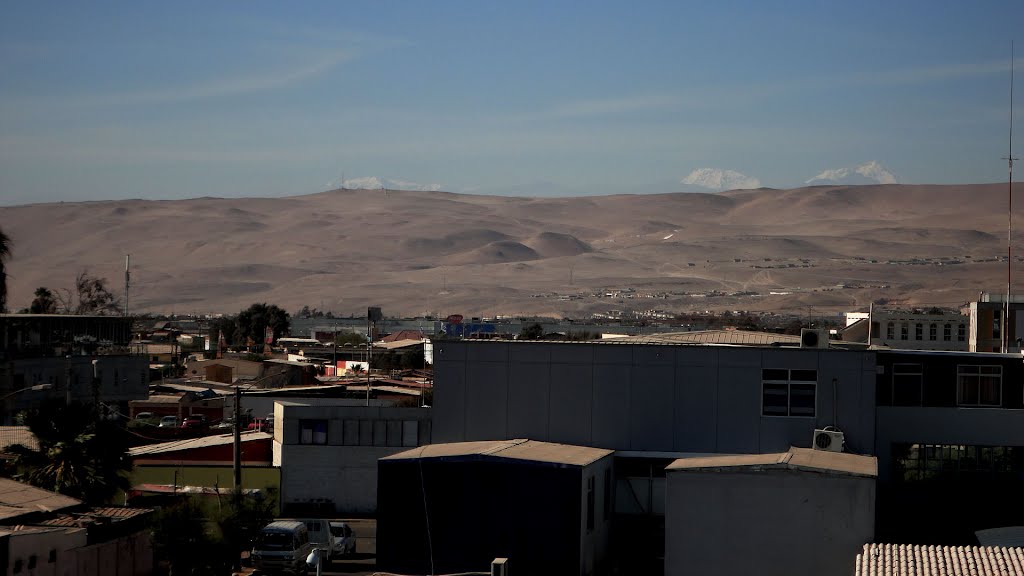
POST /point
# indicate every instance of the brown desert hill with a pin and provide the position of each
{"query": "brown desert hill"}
(838, 247)
(555, 245)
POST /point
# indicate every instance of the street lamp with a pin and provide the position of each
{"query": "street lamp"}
(36, 388)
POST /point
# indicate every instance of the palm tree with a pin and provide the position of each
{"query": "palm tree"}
(78, 455)
(5, 253)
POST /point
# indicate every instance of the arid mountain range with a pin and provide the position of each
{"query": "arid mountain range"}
(823, 248)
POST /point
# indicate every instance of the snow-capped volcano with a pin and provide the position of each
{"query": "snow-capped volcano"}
(867, 173)
(719, 179)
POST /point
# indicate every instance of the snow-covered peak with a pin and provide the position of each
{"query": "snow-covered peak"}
(375, 183)
(867, 173)
(720, 179)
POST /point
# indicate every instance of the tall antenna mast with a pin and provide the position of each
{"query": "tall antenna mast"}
(1005, 332)
(127, 281)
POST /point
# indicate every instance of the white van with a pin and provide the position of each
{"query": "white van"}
(320, 536)
(282, 545)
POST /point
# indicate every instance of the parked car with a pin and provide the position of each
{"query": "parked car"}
(169, 422)
(321, 537)
(282, 545)
(257, 424)
(195, 422)
(344, 539)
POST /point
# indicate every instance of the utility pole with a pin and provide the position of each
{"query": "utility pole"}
(237, 465)
(1005, 328)
(96, 391)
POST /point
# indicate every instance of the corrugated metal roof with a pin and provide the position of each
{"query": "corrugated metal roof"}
(193, 443)
(520, 449)
(1007, 536)
(396, 344)
(10, 435)
(740, 337)
(17, 499)
(115, 513)
(795, 459)
(918, 560)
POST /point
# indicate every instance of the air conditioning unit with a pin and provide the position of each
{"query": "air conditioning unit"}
(828, 440)
(814, 338)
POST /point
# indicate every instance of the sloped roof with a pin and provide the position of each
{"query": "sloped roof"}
(519, 449)
(10, 435)
(1006, 536)
(403, 335)
(17, 499)
(917, 560)
(193, 443)
(738, 337)
(795, 459)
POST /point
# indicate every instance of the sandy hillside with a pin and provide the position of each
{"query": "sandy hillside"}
(828, 248)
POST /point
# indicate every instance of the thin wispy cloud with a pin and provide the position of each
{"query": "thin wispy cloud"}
(614, 106)
(238, 85)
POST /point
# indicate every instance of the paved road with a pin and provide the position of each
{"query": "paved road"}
(364, 562)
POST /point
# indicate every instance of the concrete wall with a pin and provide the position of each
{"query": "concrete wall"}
(222, 476)
(23, 545)
(344, 471)
(926, 425)
(770, 523)
(642, 397)
(594, 543)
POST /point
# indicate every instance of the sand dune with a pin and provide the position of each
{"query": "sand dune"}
(834, 247)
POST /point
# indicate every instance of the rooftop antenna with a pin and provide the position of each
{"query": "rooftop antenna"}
(1005, 332)
(127, 281)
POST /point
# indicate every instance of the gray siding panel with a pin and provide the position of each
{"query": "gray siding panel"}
(739, 408)
(651, 405)
(450, 398)
(611, 411)
(572, 393)
(695, 408)
(528, 401)
(487, 401)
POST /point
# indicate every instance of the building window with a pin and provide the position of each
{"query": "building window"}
(788, 392)
(933, 332)
(919, 331)
(312, 431)
(53, 556)
(995, 327)
(890, 331)
(907, 384)
(961, 333)
(916, 462)
(590, 504)
(875, 330)
(904, 331)
(979, 385)
(947, 333)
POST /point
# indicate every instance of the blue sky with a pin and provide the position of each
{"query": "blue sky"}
(105, 100)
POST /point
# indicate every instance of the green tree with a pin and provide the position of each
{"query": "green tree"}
(44, 302)
(254, 320)
(531, 332)
(240, 518)
(350, 338)
(182, 536)
(225, 326)
(5, 253)
(89, 297)
(79, 455)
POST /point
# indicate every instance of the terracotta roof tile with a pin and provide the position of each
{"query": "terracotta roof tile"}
(917, 560)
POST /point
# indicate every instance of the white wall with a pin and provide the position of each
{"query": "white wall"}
(702, 399)
(769, 522)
